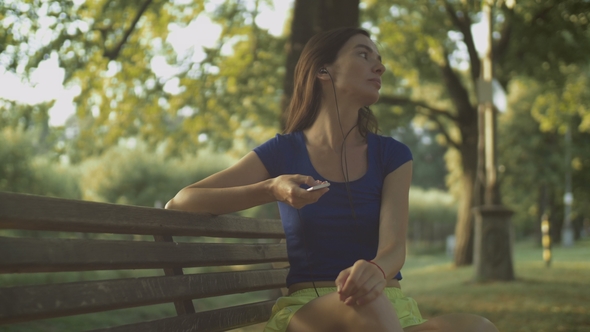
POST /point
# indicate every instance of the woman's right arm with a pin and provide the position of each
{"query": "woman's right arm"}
(243, 185)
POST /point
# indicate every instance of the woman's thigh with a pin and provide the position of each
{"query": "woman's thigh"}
(454, 323)
(328, 313)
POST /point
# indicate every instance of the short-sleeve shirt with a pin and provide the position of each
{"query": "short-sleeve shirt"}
(325, 238)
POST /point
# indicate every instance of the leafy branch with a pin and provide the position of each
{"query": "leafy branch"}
(114, 53)
(463, 23)
(422, 108)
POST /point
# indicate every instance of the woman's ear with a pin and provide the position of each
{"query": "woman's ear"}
(323, 74)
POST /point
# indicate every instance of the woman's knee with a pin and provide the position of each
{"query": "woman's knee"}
(377, 315)
(486, 325)
(458, 323)
(479, 324)
(328, 313)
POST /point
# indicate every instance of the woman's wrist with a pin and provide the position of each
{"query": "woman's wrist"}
(380, 269)
(269, 188)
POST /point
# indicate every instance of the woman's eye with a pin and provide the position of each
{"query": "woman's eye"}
(364, 55)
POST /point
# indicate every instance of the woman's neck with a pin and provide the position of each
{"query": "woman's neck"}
(329, 130)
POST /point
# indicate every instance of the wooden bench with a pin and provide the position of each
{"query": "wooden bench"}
(97, 241)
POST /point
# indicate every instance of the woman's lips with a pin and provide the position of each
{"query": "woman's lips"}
(376, 80)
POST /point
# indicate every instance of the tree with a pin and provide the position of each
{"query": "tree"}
(97, 44)
(531, 160)
(559, 105)
(532, 154)
(108, 49)
(237, 104)
(421, 43)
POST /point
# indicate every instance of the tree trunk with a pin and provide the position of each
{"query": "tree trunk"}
(467, 122)
(338, 13)
(471, 197)
(309, 18)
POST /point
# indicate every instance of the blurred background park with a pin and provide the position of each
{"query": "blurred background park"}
(127, 101)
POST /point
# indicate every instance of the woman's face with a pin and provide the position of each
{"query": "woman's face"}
(357, 70)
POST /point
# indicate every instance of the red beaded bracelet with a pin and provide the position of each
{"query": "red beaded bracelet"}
(377, 265)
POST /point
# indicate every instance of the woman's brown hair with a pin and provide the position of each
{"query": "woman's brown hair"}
(320, 50)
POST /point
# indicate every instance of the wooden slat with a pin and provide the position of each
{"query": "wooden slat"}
(25, 303)
(208, 321)
(50, 255)
(30, 212)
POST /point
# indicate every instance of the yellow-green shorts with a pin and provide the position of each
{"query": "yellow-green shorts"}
(286, 306)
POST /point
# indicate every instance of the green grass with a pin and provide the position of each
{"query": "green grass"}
(541, 299)
(555, 298)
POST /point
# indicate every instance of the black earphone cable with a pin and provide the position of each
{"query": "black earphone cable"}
(344, 168)
(343, 150)
(307, 253)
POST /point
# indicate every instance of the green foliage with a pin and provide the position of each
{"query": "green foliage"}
(433, 206)
(414, 39)
(411, 34)
(16, 155)
(240, 92)
(32, 119)
(528, 157)
(545, 37)
(532, 158)
(21, 170)
(15, 115)
(432, 218)
(559, 106)
(108, 48)
(544, 40)
(123, 175)
(139, 177)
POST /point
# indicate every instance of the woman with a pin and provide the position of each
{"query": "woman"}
(346, 243)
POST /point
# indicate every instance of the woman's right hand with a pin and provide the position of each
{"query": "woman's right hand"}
(287, 189)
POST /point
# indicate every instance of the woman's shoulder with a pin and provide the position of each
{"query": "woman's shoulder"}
(281, 141)
(387, 142)
(279, 152)
(293, 136)
(289, 138)
(391, 152)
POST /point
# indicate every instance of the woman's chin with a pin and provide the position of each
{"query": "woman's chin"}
(371, 100)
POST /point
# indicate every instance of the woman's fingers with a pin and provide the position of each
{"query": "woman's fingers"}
(369, 296)
(288, 189)
(305, 179)
(341, 281)
(356, 278)
(363, 283)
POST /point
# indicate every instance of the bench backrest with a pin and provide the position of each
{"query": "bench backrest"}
(49, 253)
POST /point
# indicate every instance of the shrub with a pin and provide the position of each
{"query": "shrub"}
(22, 171)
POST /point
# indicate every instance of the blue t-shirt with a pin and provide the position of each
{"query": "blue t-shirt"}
(324, 238)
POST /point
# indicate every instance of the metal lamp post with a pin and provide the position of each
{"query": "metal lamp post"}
(493, 232)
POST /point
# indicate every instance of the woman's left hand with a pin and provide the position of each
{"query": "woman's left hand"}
(360, 283)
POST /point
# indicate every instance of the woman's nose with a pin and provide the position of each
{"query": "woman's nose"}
(379, 68)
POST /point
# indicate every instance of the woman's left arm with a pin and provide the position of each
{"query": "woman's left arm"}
(363, 282)
(393, 221)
